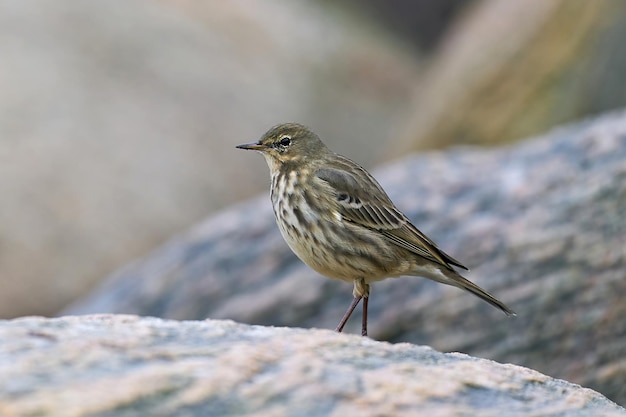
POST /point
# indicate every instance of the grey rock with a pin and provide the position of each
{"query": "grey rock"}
(541, 225)
(118, 121)
(115, 365)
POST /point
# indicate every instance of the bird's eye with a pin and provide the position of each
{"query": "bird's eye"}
(285, 141)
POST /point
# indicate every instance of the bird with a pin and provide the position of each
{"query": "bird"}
(339, 221)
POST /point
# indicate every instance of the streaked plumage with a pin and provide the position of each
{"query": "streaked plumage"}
(337, 219)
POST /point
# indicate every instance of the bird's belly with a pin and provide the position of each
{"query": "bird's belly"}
(311, 245)
(331, 248)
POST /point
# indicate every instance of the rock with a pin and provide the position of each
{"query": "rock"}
(114, 365)
(118, 122)
(490, 84)
(540, 224)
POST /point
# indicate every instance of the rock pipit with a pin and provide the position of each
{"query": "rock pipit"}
(337, 219)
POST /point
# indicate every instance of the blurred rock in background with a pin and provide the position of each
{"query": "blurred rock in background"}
(510, 70)
(540, 224)
(118, 120)
(421, 23)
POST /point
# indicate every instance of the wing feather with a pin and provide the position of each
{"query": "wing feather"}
(376, 211)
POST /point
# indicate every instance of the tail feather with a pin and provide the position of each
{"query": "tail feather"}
(452, 278)
(479, 292)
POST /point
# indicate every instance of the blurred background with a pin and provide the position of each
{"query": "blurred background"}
(118, 119)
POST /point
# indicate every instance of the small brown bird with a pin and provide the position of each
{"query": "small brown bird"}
(337, 219)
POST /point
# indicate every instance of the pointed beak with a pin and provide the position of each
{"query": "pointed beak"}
(252, 146)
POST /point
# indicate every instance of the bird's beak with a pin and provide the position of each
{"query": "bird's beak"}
(252, 146)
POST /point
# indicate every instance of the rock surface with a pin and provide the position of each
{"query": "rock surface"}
(540, 224)
(113, 365)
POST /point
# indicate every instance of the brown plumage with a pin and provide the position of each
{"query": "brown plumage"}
(337, 219)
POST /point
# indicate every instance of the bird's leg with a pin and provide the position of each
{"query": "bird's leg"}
(361, 288)
(361, 291)
(364, 322)
(346, 316)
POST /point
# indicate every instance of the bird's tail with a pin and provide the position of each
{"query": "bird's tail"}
(457, 280)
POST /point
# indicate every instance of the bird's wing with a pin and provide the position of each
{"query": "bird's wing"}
(375, 211)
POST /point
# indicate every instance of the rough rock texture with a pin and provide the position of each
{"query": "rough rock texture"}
(118, 121)
(128, 366)
(541, 225)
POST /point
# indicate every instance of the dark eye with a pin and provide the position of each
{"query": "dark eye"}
(285, 141)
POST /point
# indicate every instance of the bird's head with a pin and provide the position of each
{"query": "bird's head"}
(288, 143)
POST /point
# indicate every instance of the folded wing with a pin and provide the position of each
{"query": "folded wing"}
(375, 211)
